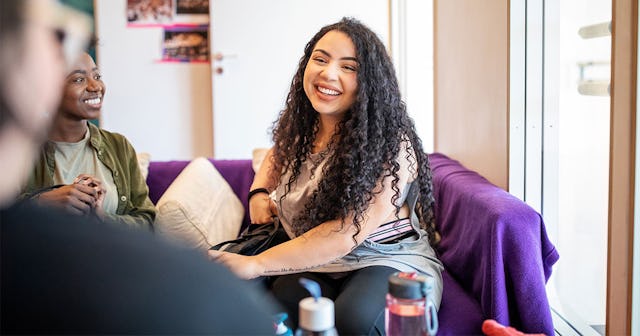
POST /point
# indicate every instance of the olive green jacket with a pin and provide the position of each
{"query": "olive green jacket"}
(114, 151)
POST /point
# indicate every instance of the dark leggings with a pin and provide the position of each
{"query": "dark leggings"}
(359, 298)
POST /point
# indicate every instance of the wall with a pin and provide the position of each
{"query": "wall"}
(248, 48)
(471, 85)
(162, 108)
(166, 109)
(260, 49)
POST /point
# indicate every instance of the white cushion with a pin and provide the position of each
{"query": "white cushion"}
(257, 158)
(199, 209)
(143, 163)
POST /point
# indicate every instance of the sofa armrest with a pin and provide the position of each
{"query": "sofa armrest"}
(495, 245)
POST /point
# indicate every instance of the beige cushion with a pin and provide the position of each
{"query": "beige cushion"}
(199, 209)
(258, 157)
(143, 163)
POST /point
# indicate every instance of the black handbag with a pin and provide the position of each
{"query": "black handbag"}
(255, 239)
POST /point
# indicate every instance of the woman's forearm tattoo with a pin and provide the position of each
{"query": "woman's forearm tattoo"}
(289, 270)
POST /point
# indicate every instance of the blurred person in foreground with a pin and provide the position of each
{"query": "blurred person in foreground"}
(69, 274)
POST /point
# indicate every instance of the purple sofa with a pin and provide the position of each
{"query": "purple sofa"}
(495, 248)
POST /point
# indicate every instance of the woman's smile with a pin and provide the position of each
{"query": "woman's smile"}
(327, 92)
(95, 102)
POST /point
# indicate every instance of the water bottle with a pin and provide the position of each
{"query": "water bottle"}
(279, 327)
(316, 313)
(410, 309)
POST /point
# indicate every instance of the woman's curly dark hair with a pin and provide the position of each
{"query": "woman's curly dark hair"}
(366, 145)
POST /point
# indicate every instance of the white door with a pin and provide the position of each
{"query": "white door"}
(255, 49)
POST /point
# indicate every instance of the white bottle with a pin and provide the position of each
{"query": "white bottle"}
(316, 313)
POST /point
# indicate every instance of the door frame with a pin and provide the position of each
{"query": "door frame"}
(624, 33)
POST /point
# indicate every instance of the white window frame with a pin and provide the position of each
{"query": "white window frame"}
(531, 125)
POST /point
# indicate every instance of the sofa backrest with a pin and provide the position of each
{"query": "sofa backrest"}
(238, 173)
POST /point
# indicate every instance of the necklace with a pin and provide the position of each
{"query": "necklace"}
(317, 158)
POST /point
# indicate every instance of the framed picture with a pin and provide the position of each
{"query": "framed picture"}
(192, 6)
(186, 44)
(149, 12)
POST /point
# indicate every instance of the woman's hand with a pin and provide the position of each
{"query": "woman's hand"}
(84, 194)
(91, 181)
(245, 267)
(76, 198)
(261, 209)
(100, 192)
(99, 209)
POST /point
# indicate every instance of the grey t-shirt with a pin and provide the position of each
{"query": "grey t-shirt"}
(411, 254)
(75, 158)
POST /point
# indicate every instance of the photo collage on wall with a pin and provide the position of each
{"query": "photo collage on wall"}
(185, 24)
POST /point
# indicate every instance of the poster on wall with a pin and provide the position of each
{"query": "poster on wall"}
(191, 12)
(192, 7)
(186, 44)
(148, 13)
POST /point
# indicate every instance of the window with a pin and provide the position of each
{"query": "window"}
(559, 146)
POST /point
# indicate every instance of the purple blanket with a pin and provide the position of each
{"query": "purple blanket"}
(494, 245)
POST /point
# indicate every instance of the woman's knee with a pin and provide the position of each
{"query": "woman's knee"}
(353, 321)
(360, 305)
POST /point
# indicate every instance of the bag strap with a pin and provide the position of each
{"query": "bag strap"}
(251, 231)
(275, 224)
(412, 200)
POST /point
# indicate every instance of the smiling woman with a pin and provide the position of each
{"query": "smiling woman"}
(87, 170)
(348, 180)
